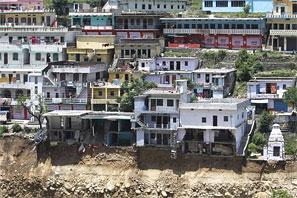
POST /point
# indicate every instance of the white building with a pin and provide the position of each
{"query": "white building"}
(168, 64)
(67, 84)
(213, 126)
(216, 83)
(153, 6)
(156, 115)
(266, 93)
(275, 149)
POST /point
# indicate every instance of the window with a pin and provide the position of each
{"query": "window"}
(174, 120)
(164, 6)
(221, 3)
(143, 6)
(198, 75)
(172, 7)
(254, 26)
(111, 93)
(142, 64)
(117, 76)
(284, 86)
(193, 26)
(158, 6)
(237, 3)
(153, 118)
(132, 21)
(203, 119)
(38, 56)
(15, 56)
(159, 102)
(149, 6)
(208, 4)
(169, 103)
(186, 63)
(55, 57)
(135, 5)
(48, 94)
(100, 93)
(226, 118)
(18, 77)
(127, 52)
(57, 95)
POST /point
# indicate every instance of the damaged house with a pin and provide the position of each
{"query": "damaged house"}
(88, 127)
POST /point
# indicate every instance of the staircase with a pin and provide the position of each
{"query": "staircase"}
(83, 93)
(173, 152)
(141, 123)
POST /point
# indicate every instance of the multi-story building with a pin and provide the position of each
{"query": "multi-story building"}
(213, 126)
(21, 5)
(67, 86)
(92, 48)
(227, 33)
(166, 70)
(27, 18)
(104, 96)
(156, 115)
(153, 6)
(217, 83)
(168, 64)
(266, 93)
(282, 35)
(236, 5)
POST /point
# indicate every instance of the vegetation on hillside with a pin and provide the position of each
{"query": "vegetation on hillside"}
(130, 90)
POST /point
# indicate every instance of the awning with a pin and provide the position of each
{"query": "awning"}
(262, 101)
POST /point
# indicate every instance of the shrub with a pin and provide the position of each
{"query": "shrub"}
(259, 140)
(252, 148)
(265, 122)
(291, 146)
(281, 194)
(3, 129)
(16, 128)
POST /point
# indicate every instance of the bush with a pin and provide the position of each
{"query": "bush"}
(281, 194)
(3, 129)
(291, 146)
(265, 122)
(16, 128)
(252, 148)
(259, 140)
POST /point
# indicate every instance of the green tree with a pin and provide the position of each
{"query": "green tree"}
(132, 89)
(96, 3)
(60, 6)
(290, 96)
(36, 109)
(265, 122)
(3, 129)
(244, 73)
(259, 140)
(246, 8)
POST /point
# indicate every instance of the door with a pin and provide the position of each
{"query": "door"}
(10, 78)
(215, 120)
(144, 24)
(5, 58)
(153, 104)
(159, 121)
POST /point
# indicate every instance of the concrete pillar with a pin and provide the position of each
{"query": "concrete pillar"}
(285, 43)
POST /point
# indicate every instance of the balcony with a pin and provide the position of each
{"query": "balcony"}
(158, 126)
(264, 96)
(5, 83)
(77, 69)
(27, 28)
(66, 101)
(112, 100)
(281, 16)
(283, 33)
(213, 31)
(97, 28)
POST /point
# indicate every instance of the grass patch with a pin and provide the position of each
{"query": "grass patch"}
(277, 73)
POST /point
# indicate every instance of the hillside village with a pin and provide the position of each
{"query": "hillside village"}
(206, 83)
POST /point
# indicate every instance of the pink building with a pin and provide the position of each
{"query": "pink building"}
(21, 4)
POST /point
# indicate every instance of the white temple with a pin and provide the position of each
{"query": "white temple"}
(275, 149)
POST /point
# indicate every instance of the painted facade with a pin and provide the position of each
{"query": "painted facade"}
(282, 26)
(225, 33)
(266, 93)
(21, 5)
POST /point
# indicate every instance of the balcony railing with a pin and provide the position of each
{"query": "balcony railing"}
(66, 101)
(283, 32)
(213, 31)
(158, 126)
(263, 96)
(281, 16)
(27, 28)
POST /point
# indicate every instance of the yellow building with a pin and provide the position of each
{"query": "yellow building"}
(123, 75)
(25, 18)
(104, 96)
(92, 48)
(282, 25)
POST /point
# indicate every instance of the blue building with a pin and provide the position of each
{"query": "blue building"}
(237, 5)
(91, 19)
